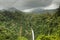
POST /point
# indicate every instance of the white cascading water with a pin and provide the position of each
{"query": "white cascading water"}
(32, 34)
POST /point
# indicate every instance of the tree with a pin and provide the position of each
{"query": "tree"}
(58, 12)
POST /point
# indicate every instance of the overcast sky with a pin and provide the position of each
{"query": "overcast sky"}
(26, 4)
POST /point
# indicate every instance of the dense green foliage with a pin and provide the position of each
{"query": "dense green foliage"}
(22, 38)
(45, 24)
(9, 25)
(17, 26)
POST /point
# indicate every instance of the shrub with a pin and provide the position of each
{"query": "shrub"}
(50, 37)
(22, 38)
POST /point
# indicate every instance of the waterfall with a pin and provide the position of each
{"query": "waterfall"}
(32, 34)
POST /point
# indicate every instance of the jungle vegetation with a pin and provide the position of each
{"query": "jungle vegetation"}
(17, 25)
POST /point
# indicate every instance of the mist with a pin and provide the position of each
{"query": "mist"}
(27, 4)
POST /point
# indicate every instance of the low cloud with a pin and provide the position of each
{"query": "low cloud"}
(26, 4)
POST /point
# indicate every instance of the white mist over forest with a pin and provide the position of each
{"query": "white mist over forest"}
(29, 4)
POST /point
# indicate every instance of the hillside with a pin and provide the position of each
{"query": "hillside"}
(17, 26)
